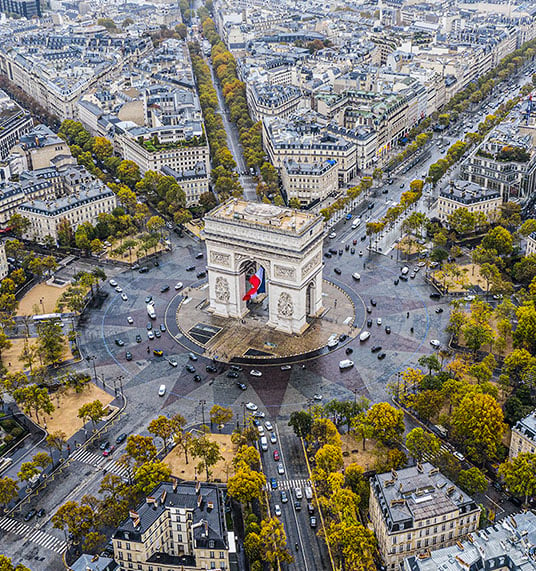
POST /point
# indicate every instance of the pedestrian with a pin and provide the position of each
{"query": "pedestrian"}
(148, 349)
(411, 329)
(407, 315)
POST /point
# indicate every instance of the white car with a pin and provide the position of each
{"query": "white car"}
(435, 343)
(333, 235)
(364, 335)
(118, 289)
(356, 276)
(130, 320)
(379, 321)
(280, 468)
(333, 341)
(286, 367)
(113, 283)
(346, 364)
(317, 396)
(277, 510)
(178, 285)
(255, 373)
(150, 335)
(268, 425)
(469, 298)
(251, 406)
(173, 362)
(273, 438)
(162, 390)
(124, 297)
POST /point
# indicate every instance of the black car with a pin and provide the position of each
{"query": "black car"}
(162, 328)
(385, 191)
(148, 299)
(352, 251)
(138, 338)
(121, 438)
(327, 255)
(128, 356)
(310, 509)
(149, 326)
(338, 271)
(143, 270)
(156, 264)
(340, 252)
(211, 369)
(190, 368)
(370, 206)
(163, 289)
(381, 356)
(369, 322)
(369, 309)
(119, 342)
(297, 505)
(363, 238)
(104, 444)
(348, 350)
(332, 251)
(201, 274)
(435, 295)
(30, 515)
(190, 268)
(199, 256)
(347, 247)
(232, 375)
(387, 329)
(439, 310)
(241, 386)
(376, 348)
(197, 378)
(41, 512)
(403, 278)
(192, 356)
(373, 302)
(343, 337)
(236, 368)
(157, 334)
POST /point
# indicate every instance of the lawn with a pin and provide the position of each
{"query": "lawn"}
(352, 451)
(31, 304)
(220, 472)
(10, 357)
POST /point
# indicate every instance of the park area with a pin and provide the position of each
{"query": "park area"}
(352, 451)
(132, 248)
(10, 357)
(187, 471)
(67, 404)
(461, 278)
(41, 299)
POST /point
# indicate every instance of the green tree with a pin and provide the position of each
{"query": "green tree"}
(140, 448)
(473, 481)
(129, 173)
(50, 342)
(329, 458)
(102, 148)
(246, 485)
(7, 565)
(208, 451)
(163, 427)
(421, 443)
(33, 399)
(9, 490)
(273, 542)
(462, 221)
(93, 411)
(386, 422)
(150, 474)
(354, 545)
(525, 332)
(476, 335)
(498, 239)
(56, 440)
(519, 475)
(27, 471)
(220, 415)
(301, 422)
(77, 519)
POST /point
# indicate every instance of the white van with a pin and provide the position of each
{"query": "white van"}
(364, 335)
(346, 364)
(308, 491)
(356, 223)
(356, 276)
(264, 444)
(405, 270)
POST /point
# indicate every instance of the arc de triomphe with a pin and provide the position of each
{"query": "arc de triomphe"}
(241, 236)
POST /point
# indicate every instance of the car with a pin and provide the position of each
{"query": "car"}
(30, 515)
(232, 375)
(143, 270)
(458, 455)
(138, 338)
(211, 369)
(277, 510)
(236, 368)
(118, 289)
(338, 271)
(333, 341)
(376, 348)
(255, 373)
(113, 283)
(318, 396)
(173, 362)
(280, 469)
(327, 255)
(156, 264)
(370, 206)
(416, 269)
(297, 505)
(412, 275)
(347, 247)
(108, 451)
(369, 322)
(332, 235)
(381, 356)
(251, 406)
(352, 251)
(439, 310)
(332, 251)
(364, 335)
(356, 276)
(197, 378)
(369, 309)
(149, 326)
(179, 285)
(162, 390)
(363, 238)
(190, 368)
(276, 455)
(241, 386)
(469, 298)
(130, 321)
(385, 191)
(340, 252)
(41, 512)
(158, 352)
(104, 444)
(192, 356)
(298, 493)
(421, 264)
(286, 367)
(201, 275)
(346, 364)
(435, 343)
(199, 255)
(268, 425)
(162, 328)
(361, 252)
(150, 335)
(164, 288)
(387, 329)
(402, 185)
(157, 334)
(190, 268)
(348, 350)
(312, 521)
(124, 297)
(120, 342)
(435, 295)
(373, 302)
(121, 438)
(273, 438)
(379, 321)
(149, 299)
(343, 337)
(403, 278)
(284, 497)
(128, 356)
(348, 216)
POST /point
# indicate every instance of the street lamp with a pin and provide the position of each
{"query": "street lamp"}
(203, 403)
(120, 379)
(243, 405)
(90, 358)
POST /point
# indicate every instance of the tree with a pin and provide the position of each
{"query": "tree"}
(128, 172)
(427, 404)
(42, 460)
(9, 490)
(140, 448)
(247, 456)
(155, 224)
(525, 269)
(150, 474)
(102, 148)
(325, 432)
(7, 565)
(421, 443)
(33, 399)
(246, 485)
(220, 415)
(19, 224)
(329, 458)
(273, 542)
(478, 425)
(431, 362)
(27, 471)
(93, 411)
(78, 519)
(301, 422)
(208, 451)
(386, 422)
(525, 332)
(252, 546)
(353, 544)
(50, 342)
(472, 481)
(519, 475)
(461, 221)
(57, 440)
(498, 239)
(476, 335)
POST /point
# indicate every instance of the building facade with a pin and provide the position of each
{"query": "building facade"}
(524, 436)
(4, 268)
(180, 526)
(194, 181)
(465, 194)
(309, 182)
(26, 8)
(417, 509)
(14, 123)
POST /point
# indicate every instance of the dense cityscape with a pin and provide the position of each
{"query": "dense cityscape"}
(267, 285)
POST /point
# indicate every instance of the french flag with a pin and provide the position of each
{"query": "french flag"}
(257, 285)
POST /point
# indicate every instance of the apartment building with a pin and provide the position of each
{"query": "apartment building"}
(524, 436)
(13, 194)
(194, 181)
(266, 100)
(509, 544)
(465, 194)
(26, 8)
(4, 268)
(309, 182)
(181, 526)
(530, 247)
(76, 209)
(417, 509)
(14, 123)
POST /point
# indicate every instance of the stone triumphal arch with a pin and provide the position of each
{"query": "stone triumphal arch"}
(242, 237)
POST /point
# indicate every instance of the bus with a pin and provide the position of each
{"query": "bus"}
(47, 317)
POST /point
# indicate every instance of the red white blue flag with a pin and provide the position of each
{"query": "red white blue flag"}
(257, 285)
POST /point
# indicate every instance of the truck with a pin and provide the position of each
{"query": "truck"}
(150, 311)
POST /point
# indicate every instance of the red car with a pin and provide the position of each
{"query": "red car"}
(354, 242)
(276, 455)
(108, 450)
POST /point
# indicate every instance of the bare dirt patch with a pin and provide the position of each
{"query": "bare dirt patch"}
(10, 357)
(352, 451)
(40, 299)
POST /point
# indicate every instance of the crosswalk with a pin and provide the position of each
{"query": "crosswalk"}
(33, 534)
(87, 457)
(289, 484)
